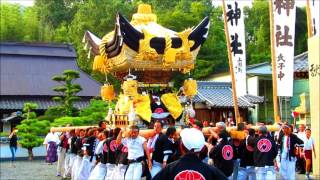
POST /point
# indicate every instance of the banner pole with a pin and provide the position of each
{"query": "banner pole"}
(309, 23)
(273, 63)
(234, 92)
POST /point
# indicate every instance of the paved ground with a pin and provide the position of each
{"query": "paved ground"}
(21, 152)
(39, 170)
(28, 170)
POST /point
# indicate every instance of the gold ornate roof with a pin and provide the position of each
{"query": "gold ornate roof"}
(143, 46)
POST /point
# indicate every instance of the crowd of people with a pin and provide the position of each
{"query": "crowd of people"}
(184, 153)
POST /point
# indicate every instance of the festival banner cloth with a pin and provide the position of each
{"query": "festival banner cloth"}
(236, 28)
(284, 15)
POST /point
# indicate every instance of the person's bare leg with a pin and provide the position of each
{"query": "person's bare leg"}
(308, 167)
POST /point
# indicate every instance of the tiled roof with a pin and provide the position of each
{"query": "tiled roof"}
(44, 102)
(219, 94)
(301, 62)
(37, 49)
(254, 99)
(264, 68)
(27, 69)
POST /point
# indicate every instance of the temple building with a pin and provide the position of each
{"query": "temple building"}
(26, 76)
(259, 79)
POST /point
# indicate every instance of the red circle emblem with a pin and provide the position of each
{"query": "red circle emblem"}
(189, 175)
(158, 110)
(264, 145)
(113, 145)
(227, 152)
(124, 149)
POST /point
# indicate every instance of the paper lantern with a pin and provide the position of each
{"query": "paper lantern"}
(107, 92)
(190, 87)
(130, 87)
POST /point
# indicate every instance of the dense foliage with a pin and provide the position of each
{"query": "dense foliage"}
(67, 91)
(67, 20)
(91, 115)
(31, 130)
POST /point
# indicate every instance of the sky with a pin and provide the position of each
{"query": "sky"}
(299, 3)
(214, 2)
(22, 2)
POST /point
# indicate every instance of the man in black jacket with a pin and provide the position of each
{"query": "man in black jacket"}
(190, 165)
(265, 152)
(246, 149)
(223, 154)
(111, 152)
(287, 152)
(163, 151)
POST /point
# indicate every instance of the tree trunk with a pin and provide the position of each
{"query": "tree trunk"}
(30, 153)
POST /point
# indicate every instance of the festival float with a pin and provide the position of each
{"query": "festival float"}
(142, 55)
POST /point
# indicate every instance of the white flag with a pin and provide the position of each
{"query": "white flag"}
(315, 16)
(235, 21)
(284, 14)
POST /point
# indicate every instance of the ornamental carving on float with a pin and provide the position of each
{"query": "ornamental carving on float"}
(143, 46)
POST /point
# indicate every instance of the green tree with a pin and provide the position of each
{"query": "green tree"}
(257, 32)
(301, 32)
(11, 22)
(67, 90)
(31, 129)
(56, 12)
(52, 113)
(91, 115)
(30, 23)
(99, 18)
(257, 26)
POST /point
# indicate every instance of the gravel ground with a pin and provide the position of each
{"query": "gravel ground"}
(28, 170)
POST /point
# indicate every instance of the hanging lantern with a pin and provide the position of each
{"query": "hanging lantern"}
(98, 63)
(130, 87)
(107, 92)
(190, 87)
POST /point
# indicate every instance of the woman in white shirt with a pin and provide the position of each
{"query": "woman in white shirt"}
(308, 148)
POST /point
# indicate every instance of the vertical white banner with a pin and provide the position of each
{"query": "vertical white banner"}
(284, 14)
(315, 16)
(235, 21)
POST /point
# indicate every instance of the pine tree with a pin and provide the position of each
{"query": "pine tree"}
(67, 90)
(31, 129)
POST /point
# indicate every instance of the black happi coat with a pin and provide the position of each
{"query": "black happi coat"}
(222, 155)
(189, 165)
(91, 141)
(265, 151)
(112, 148)
(73, 147)
(122, 155)
(163, 146)
(177, 151)
(294, 140)
(246, 153)
(104, 155)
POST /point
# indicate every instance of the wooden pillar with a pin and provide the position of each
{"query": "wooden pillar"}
(274, 69)
(309, 23)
